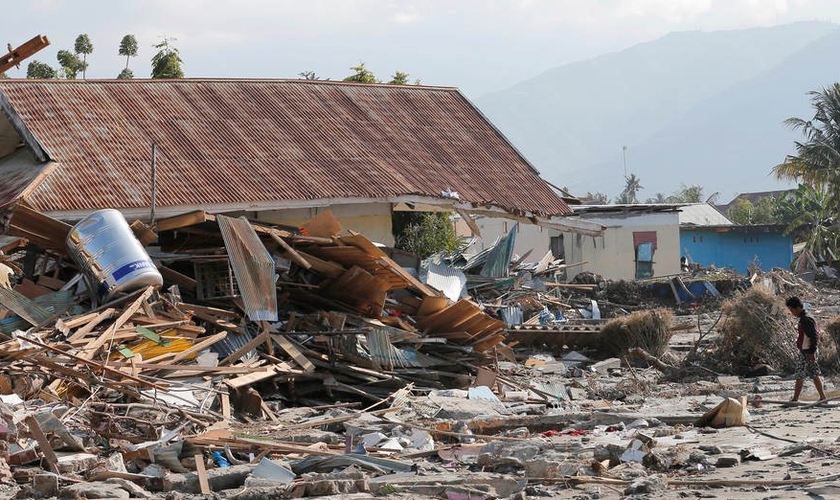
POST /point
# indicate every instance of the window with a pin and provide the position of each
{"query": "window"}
(556, 247)
(645, 245)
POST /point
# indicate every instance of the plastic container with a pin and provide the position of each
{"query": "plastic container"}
(110, 256)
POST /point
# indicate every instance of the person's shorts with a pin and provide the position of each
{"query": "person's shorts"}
(806, 368)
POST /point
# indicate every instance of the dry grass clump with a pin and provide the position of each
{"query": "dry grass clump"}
(649, 330)
(829, 354)
(757, 329)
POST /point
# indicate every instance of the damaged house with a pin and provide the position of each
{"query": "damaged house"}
(276, 151)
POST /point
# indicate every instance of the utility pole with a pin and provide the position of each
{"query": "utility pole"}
(624, 155)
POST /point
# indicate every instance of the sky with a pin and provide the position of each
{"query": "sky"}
(480, 46)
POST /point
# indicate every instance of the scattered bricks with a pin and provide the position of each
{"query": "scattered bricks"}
(93, 490)
(611, 452)
(223, 478)
(650, 484)
(76, 462)
(133, 489)
(728, 461)
(24, 456)
(606, 365)
(45, 485)
(551, 468)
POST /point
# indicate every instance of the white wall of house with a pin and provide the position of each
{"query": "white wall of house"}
(370, 219)
(528, 236)
(613, 255)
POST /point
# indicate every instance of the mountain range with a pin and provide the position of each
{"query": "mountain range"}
(690, 108)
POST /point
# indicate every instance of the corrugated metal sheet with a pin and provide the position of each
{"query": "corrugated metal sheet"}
(452, 282)
(241, 141)
(498, 260)
(252, 266)
(702, 214)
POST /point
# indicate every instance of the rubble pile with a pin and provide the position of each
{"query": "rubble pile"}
(253, 360)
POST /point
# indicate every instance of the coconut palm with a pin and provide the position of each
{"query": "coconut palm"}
(817, 158)
(632, 186)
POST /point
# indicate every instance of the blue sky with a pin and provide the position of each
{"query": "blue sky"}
(477, 45)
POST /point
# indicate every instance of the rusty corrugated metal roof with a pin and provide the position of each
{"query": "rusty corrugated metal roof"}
(241, 141)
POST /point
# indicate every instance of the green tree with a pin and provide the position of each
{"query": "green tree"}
(3, 76)
(166, 63)
(817, 158)
(659, 198)
(361, 75)
(309, 75)
(741, 212)
(84, 47)
(40, 71)
(632, 186)
(128, 48)
(690, 194)
(125, 74)
(399, 78)
(425, 233)
(810, 219)
(70, 64)
(596, 198)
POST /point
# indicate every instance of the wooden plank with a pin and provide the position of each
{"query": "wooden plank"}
(172, 276)
(183, 220)
(143, 233)
(201, 472)
(295, 257)
(374, 251)
(49, 455)
(28, 48)
(220, 323)
(223, 370)
(40, 229)
(267, 411)
(95, 365)
(212, 311)
(90, 349)
(331, 269)
(51, 283)
(225, 402)
(245, 349)
(294, 352)
(252, 378)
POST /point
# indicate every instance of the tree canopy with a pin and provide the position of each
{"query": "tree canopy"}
(166, 63)
(40, 70)
(84, 47)
(361, 75)
(128, 48)
(816, 166)
(70, 63)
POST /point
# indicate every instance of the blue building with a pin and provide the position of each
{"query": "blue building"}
(737, 247)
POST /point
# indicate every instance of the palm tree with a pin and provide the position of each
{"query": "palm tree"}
(632, 186)
(817, 159)
(808, 216)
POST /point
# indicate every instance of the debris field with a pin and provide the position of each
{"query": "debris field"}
(235, 358)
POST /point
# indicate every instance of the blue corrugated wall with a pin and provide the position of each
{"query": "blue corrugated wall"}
(736, 250)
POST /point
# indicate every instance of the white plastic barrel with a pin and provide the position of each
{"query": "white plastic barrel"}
(110, 256)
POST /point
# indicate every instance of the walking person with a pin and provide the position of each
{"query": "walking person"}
(806, 342)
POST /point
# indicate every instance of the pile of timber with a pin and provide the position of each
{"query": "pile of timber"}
(251, 318)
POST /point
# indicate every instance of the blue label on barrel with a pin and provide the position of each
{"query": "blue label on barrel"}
(125, 271)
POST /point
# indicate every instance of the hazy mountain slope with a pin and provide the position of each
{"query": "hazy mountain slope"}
(578, 116)
(729, 142)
